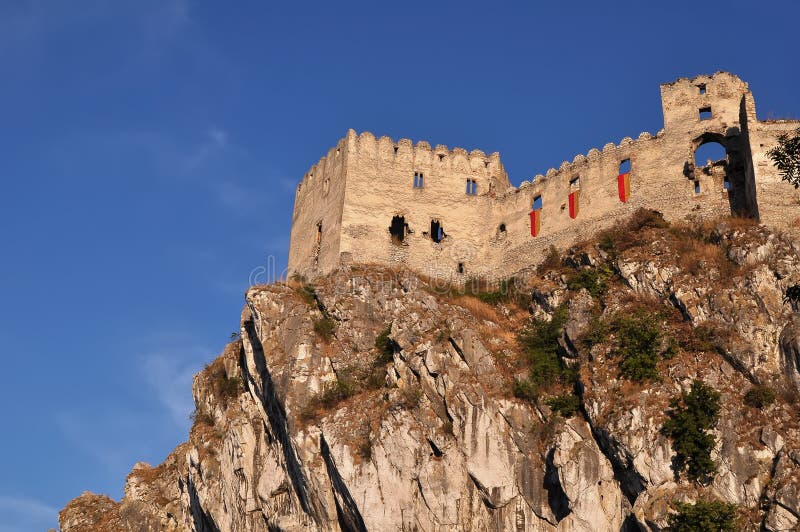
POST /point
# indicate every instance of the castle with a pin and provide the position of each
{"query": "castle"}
(454, 214)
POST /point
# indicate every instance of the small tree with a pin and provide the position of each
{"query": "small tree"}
(786, 157)
(692, 415)
(703, 516)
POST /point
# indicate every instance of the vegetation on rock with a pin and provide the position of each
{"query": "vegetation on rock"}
(759, 396)
(704, 516)
(691, 416)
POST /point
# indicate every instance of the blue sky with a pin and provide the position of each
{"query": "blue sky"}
(151, 149)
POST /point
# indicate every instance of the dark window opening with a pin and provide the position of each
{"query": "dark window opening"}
(460, 267)
(502, 228)
(575, 182)
(419, 180)
(437, 233)
(702, 88)
(486, 164)
(398, 229)
(395, 150)
(326, 185)
(705, 113)
(537, 203)
(726, 183)
(319, 232)
(697, 187)
(441, 158)
(625, 167)
(472, 187)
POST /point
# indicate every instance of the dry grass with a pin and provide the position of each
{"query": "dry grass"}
(481, 310)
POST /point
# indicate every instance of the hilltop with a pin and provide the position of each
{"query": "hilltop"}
(651, 365)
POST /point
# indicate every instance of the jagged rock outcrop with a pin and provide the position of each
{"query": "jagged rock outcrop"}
(308, 423)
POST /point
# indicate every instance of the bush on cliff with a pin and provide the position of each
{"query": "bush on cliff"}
(703, 516)
(691, 416)
(759, 396)
(639, 342)
(539, 342)
(324, 328)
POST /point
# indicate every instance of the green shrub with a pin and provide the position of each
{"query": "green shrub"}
(759, 396)
(639, 341)
(703, 516)
(596, 333)
(539, 341)
(525, 389)
(690, 417)
(566, 404)
(324, 328)
(595, 280)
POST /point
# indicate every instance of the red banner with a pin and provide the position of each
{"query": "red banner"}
(536, 222)
(624, 186)
(574, 205)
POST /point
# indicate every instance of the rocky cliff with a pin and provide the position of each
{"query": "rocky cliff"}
(377, 399)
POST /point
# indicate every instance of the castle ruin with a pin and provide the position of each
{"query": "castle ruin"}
(454, 214)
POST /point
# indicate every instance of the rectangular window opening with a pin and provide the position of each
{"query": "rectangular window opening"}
(697, 187)
(419, 180)
(472, 187)
(537, 203)
(460, 267)
(624, 166)
(701, 88)
(575, 182)
(726, 183)
(705, 113)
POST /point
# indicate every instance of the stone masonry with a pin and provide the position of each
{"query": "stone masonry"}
(453, 214)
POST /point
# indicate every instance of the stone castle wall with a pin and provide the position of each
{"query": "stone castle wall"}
(370, 181)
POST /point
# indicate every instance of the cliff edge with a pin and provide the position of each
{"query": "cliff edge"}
(377, 399)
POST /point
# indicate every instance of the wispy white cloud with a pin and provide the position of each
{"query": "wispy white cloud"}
(170, 378)
(18, 514)
(213, 144)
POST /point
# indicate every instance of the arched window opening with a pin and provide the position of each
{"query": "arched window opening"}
(398, 229)
(460, 267)
(709, 154)
(437, 233)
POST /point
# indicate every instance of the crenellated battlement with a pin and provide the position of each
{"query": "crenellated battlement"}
(453, 213)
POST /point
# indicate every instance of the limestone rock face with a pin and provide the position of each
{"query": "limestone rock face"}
(307, 423)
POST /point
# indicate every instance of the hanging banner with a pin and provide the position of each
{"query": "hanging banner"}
(574, 205)
(624, 186)
(536, 222)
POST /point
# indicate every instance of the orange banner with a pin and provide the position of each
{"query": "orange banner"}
(574, 205)
(536, 222)
(624, 186)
